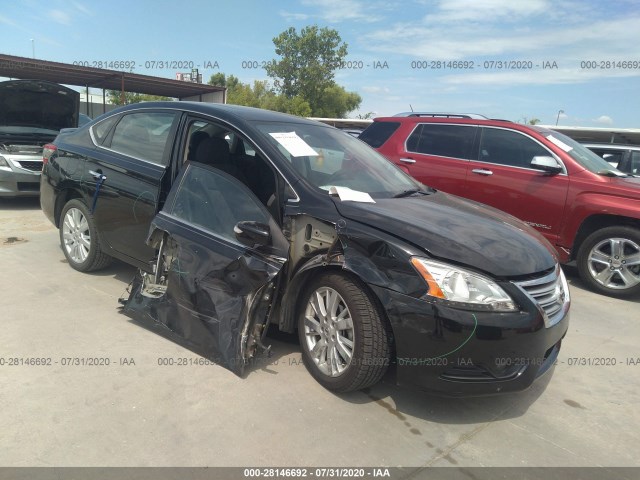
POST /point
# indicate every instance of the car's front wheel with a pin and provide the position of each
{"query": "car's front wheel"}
(79, 238)
(609, 261)
(345, 345)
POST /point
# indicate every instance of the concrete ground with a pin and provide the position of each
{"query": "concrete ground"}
(135, 412)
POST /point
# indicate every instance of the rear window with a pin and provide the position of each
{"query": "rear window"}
(378, 132)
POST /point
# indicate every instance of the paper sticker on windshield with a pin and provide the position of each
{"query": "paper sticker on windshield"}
(296, 146)
(559, 143)
(346, 194)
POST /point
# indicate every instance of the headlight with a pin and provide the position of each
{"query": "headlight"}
(3, 162)
(462, 288)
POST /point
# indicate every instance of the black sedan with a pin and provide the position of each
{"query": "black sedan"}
(239, 217)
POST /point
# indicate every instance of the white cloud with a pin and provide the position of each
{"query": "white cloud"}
(61, 17)
(293, 17)
(511, 78)
(7, 21)
(82, 8)
(487, 11)
(605, 39)
(603, 120)
(336, 11)
(567, 32)
(376, 90)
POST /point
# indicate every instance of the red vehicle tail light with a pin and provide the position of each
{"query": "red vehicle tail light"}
(49, 150)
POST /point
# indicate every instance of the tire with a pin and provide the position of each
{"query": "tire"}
(360, 350)
(609, 261)
(79, 238)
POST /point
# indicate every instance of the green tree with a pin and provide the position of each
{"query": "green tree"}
(530, 121)
(259, 95)
(336, 102)
(306, 69)
(219, 79)
(115, 97)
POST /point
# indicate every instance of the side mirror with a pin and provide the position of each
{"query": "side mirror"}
(546, 164)
(252, 233)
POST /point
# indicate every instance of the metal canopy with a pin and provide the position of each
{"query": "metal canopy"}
(624, 136)
(66, 74)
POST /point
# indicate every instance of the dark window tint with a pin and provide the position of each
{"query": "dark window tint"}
(454, 141)
(612, 157)
(215, 201)
(634, 168)
(143, 135)
(506, 147)
(378, 132)
(102, 129)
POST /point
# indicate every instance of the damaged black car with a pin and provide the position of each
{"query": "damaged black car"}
(239, 218)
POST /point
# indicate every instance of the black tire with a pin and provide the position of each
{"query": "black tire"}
(598, 249)
(370, 338)
(79, 239)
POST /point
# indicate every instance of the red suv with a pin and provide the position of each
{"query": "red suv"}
(586, 208)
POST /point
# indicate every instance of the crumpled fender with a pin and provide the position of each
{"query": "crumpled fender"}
(378, 259)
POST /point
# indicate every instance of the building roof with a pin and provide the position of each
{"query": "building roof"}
(67, 74)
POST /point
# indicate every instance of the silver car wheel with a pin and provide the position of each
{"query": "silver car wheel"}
(615, 263)
(76, 235)
(328, 331)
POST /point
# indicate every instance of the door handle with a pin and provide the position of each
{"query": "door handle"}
(482, 171)
(407, 160)
(97, 175)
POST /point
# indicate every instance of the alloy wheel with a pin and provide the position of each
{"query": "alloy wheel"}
(615, 263)
(329, 332)
(76, 235)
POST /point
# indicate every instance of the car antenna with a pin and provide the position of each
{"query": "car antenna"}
(411, 107)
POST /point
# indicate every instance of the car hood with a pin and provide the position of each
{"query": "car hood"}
(630, 181)
(38, 104)
(460, 231)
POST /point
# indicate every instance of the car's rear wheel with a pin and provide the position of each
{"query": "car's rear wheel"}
(79, 238)
(345, 345)
(609, 261)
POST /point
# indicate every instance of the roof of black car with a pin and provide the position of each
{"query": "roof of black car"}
(224, 111)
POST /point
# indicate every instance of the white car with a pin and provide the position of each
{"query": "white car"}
(625, 158)
(32, 112)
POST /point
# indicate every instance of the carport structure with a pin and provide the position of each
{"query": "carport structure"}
(89, 77)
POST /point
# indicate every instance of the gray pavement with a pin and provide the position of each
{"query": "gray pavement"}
(135, 412)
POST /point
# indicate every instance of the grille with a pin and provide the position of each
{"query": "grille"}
(33, 166)
(550, 293)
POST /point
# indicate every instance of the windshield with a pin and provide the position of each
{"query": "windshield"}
(327, 157)
(581, 154)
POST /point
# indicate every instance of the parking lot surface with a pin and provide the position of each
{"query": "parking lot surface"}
(112, 393)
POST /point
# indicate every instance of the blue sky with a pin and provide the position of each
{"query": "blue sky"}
(398, 37)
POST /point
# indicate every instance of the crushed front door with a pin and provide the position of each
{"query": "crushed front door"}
(208, 288)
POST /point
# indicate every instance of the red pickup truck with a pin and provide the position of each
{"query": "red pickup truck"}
(586, 208)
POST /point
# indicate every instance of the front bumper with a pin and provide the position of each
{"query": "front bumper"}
(461, 353)
(22, 177)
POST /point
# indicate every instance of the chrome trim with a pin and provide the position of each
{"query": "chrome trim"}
(552, 154)
(438, 123)
(482, 171)
(550, 293)
(564, 168)
(407, 160)
(193, 112)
